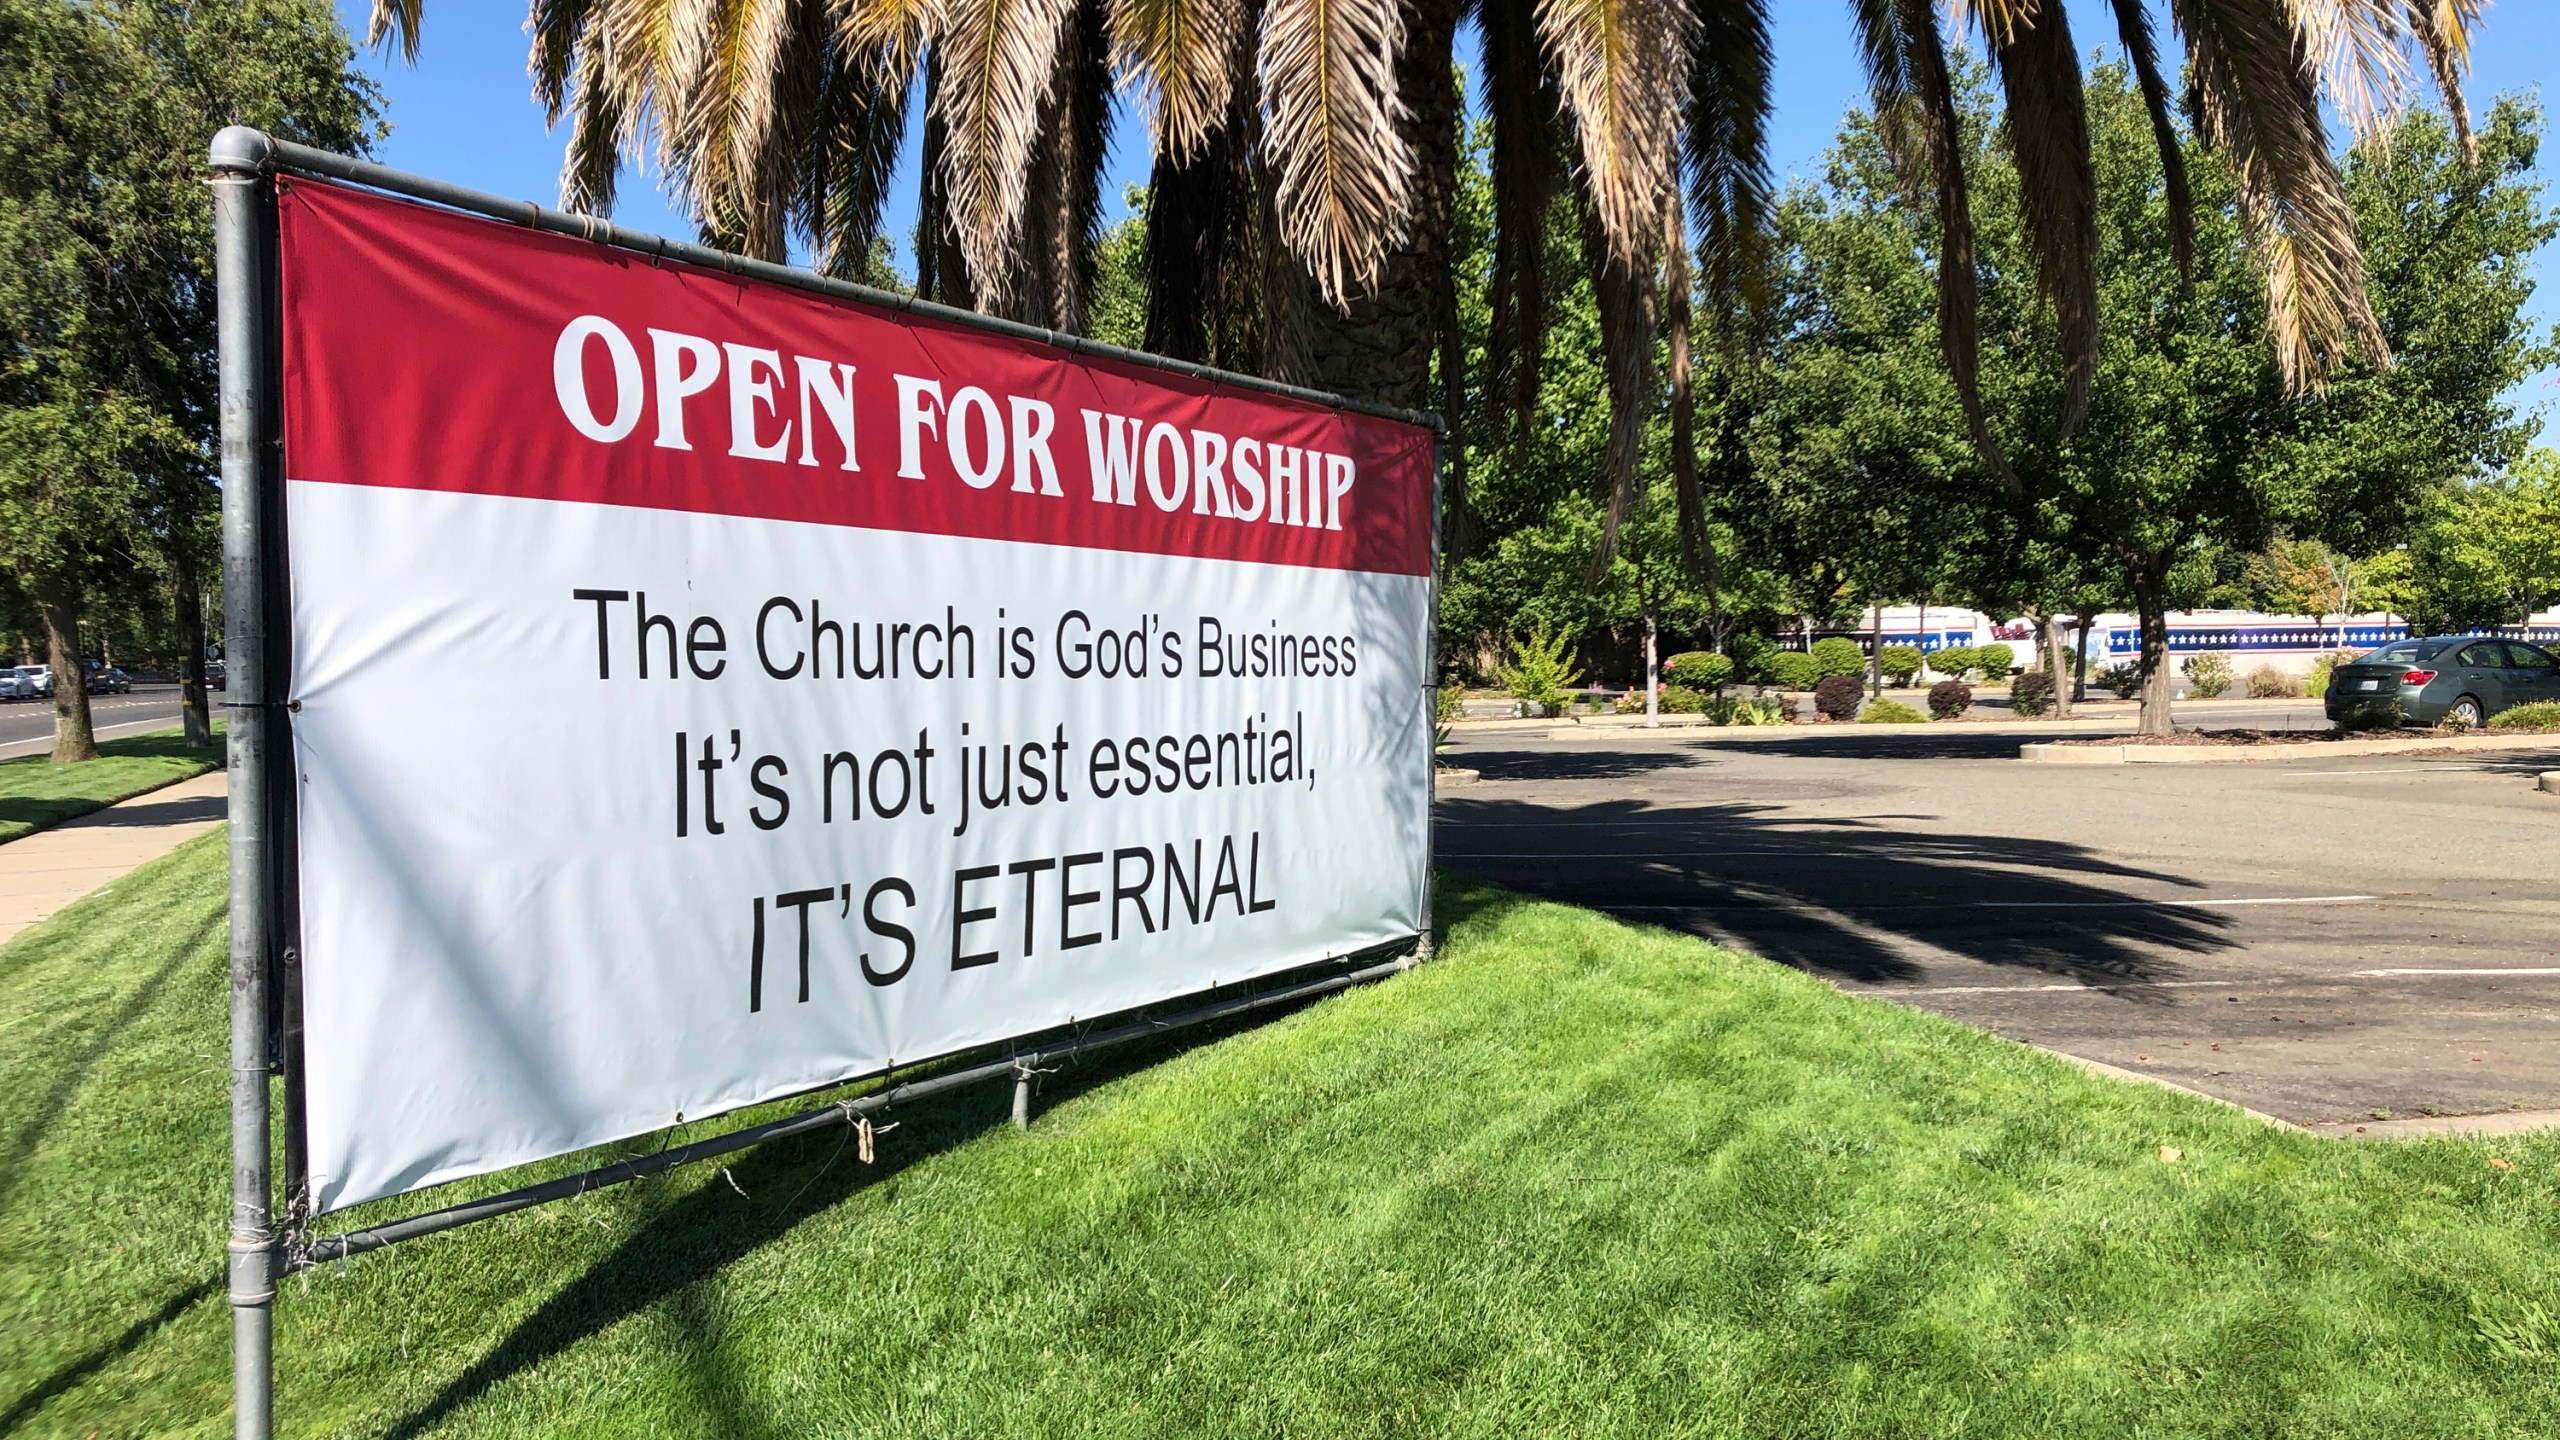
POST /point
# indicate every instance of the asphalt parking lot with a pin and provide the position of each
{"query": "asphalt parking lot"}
(2323, 940)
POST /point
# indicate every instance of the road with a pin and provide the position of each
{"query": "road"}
(2319, 940)
(26, 726)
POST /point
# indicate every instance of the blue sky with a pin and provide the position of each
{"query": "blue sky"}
(464, 112)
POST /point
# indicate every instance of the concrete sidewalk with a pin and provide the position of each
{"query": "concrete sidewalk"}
(51, 868)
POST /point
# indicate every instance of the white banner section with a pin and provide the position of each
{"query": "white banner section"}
(617, 817)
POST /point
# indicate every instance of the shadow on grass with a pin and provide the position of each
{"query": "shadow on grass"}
(778, 1185)
(1847, 897)
(25, 1406)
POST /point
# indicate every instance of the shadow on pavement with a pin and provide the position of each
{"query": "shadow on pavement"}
(1845, 898)
(1571, 764)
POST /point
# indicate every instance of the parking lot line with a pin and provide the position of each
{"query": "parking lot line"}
(2449, 970)
(2148, 904)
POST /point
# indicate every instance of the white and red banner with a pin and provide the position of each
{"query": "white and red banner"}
(705, 690)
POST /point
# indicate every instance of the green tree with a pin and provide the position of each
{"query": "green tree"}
(107, 406)
(2192, 442)
(2489, 554)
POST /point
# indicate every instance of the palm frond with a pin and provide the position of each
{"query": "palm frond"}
(394, 21)
(1624, 293)
(998, 61)
(1332, 126)
(2443, 29)
(1522, 103)
(1726, 145)
(1065, 182)
(2355, 49)
(888, 36)
(558, 27)
(2133, 28)
(1697, 547)
(1622, 67)
(1202, 260)
(1906, 63)
(734, 77)
(1179, 56)
(2258, 105)
(594, 155)
(2048, 130)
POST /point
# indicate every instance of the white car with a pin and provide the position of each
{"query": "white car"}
(33, 682)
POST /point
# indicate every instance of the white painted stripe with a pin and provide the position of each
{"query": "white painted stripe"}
(2389, 770)
(2150, 904)
(2093, 988)
(2490, 970)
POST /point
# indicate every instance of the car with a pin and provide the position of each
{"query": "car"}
(8, 683)
(35, 682)
(108, 680)
(2458, 680)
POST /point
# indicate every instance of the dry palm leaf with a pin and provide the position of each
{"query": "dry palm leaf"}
(2133, 27)
(998, 60)
(1332, 128)
(2048, 129)
(1179, 55)
(1622, 66)
(1521, 101)
(1727, 156)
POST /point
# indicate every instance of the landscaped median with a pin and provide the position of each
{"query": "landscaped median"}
(36, 793)
(2242, 747)
(1574, 1177)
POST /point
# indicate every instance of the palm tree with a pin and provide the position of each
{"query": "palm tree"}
(1305, 158)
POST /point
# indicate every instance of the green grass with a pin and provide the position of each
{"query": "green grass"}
(1573, 1178)
(35, 792)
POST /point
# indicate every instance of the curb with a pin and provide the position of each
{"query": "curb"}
(2550, 782)
(2052, 754)
(1451, 775)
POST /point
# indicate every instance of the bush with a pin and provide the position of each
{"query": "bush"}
(2389, 717)
(1953, 661)
(1543, 670)
(2316, 684)
(2208, 674)
(1793, 670)
(1838, 655)
(1891, 712)
(1949, 699)
(2123, 681)
(1758, 710)
(1699, 670)
(1838, 696)
(2031, 694)
(1679, 700)
(1450, 703)
(1901, 663)
(2269, 683)
(2540, 715)
(1994, 660)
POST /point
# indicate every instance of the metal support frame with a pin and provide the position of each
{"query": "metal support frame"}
(241, 196)
(264, 887)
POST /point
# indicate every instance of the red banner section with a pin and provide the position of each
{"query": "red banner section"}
(430, 350)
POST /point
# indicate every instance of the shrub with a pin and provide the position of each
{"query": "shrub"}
(1838, 696)
(2540, 715)
(2123, 681)
(2031, 694)
(1949, 699)
(2208, 674)
(1680, 700)
(1838, 655)
(2269, 683)
(1793, 670)
(1758, 710)
(1901, 663)
(1543, 670)
(1891, 712)
(1994, 660)
(2316, 684)
(1699, 670)
(1954, 661)
(2388, 717)
(1450, 703)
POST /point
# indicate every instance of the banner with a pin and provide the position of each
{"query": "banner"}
(705, 690)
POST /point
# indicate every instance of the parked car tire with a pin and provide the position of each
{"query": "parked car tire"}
(2467, 712)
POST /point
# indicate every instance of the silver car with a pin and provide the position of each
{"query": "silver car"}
(2443, 679)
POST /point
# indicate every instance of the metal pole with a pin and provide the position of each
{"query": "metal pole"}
(239, 157)
(1423, 946)
(1021, 1097)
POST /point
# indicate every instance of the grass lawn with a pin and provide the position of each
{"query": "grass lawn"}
(35, 792)
(1573, 1178)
